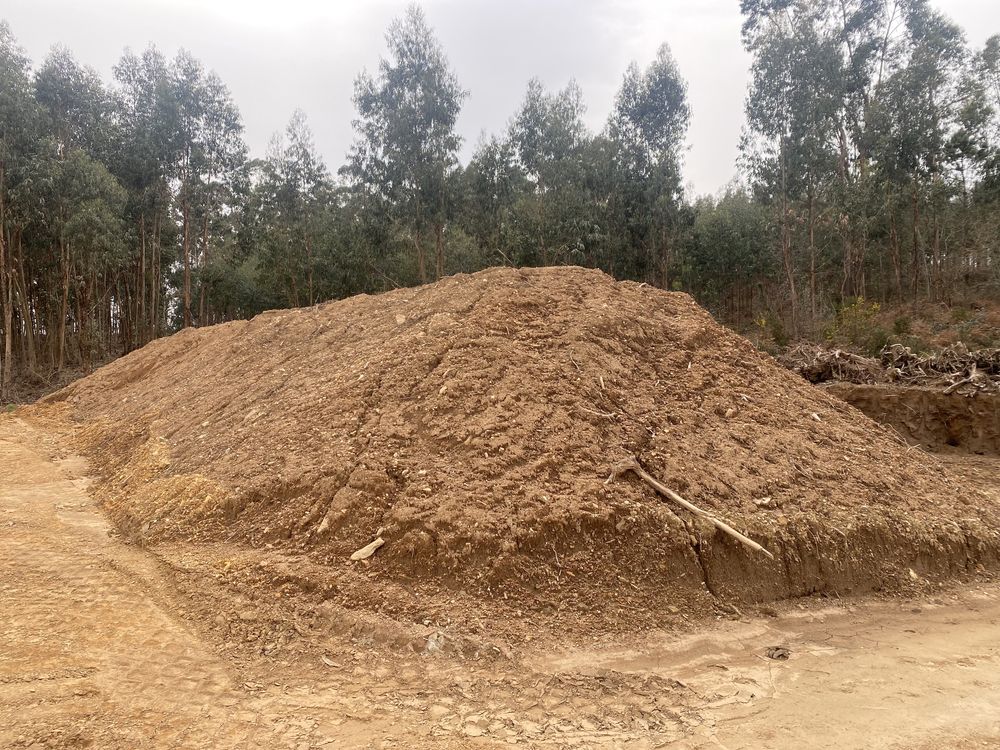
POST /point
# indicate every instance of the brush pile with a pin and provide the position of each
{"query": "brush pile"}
(953, 369)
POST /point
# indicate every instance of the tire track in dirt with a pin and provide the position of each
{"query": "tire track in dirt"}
(99, 651)
(89, 657)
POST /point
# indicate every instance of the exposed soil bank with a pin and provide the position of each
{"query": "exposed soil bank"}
(937, 421)
(106, 645)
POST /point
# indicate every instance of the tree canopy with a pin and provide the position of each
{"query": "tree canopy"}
(130, 208)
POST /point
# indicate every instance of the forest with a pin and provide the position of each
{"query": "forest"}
(129, 209)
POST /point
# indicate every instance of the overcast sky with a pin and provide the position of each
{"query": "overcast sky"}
(277, 55)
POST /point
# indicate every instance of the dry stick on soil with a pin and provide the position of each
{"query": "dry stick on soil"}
(368, 550)
(635, 468)
(963, 381)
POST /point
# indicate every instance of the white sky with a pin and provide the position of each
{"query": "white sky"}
(279, 55)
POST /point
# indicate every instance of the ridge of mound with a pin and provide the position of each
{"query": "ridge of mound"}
(474, 422)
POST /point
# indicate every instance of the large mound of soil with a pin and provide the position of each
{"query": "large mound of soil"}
(475, 421)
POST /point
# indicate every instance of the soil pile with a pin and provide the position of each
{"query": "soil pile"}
(472, 424)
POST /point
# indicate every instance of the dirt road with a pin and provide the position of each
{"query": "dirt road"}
(100, 648)
(95, 652)
(891, 675)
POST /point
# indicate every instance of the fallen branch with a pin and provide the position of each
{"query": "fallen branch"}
(971, 379)
(956, 385)
(722, 526)
(368, 550)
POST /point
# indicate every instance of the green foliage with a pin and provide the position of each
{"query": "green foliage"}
(406, 146)
(975, 335)
(771, 334)
(727, 247)
(645, 137)
(872, 131)
(870, 173)
(856, 325)
(960, 314)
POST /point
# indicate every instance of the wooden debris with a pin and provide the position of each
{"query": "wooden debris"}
(954, 368)
(636, 469)
(959, 383)
(368, 550)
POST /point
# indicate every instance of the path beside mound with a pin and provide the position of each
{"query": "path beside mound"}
(475, 421)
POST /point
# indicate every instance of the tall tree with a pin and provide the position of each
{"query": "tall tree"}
(208, 154)
(647, 128)
(18, 142)
(291, 194)
(406, 146)
(554, 218)
(143, 163)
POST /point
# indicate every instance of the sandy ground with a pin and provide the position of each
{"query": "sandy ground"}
(105, 645)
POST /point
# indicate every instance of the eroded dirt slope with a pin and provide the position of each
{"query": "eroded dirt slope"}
(475, 420)
(109, 646)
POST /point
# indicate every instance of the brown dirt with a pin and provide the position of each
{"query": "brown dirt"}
(475, 421)
(109, 646)
(940, 422)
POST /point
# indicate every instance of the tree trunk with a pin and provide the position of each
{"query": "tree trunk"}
(25, 305)
(6, 293)
(64, 256)
(936, 250)
(894, 252)
(204, 262)
(812, 255)
(421, 260)
(786, 244)
(666, 258)
(8, 326)
(185, 215)
(154, 291)
(439, 251)
(85, 317)
(139, 324)
(915, 271)
(309, 268)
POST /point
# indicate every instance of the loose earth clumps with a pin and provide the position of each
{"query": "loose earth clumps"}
(472, 425)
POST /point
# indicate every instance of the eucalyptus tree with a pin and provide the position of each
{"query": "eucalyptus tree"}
(727, 260)
(555, 221)
(406, 147)
(918, 113)
(18, 132)
(796, 139)
(987, 68)
(292, 190)
(208, 155)
(647, 128)
(84, 205)
(77, 104)
(492, 182)
(143, 164)
(87, 221)
(986, 193)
